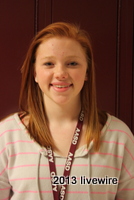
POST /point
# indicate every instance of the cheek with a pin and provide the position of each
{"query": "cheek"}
(42, 77)
(81, 76)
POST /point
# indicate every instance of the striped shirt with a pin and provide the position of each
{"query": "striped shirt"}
(104, 175)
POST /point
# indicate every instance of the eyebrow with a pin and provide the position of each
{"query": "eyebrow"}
(52, 57)
(47, 57)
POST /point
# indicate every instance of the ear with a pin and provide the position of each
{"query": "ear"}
(36, 80)
(35, 77)
(86, 77)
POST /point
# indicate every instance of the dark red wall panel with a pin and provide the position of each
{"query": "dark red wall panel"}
(16, 31)
(44, 13)
(126, 63)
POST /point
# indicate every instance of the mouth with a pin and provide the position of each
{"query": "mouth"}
(61, 87)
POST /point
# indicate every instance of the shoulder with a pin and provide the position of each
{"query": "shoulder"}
(117, 129)
(12, 121)
(10, 126)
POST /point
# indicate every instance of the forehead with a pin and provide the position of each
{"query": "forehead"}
(61, 44)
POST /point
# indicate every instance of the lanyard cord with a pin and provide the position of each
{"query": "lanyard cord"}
(61, 194)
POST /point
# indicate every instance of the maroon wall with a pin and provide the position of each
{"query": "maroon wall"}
(16, 31)
(110, 24)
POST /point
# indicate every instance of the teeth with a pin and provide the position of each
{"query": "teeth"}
(61, 86)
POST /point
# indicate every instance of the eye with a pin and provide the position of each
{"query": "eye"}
(48, 64)
(73, 63)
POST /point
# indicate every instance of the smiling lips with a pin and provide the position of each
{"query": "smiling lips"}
(61, 86)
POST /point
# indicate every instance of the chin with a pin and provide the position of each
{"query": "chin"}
(62, 101)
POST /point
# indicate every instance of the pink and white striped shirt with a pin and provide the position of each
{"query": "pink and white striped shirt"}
(104, 175)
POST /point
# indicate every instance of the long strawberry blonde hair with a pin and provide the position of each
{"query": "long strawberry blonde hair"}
(31, 99)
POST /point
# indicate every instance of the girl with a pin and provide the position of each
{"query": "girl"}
(60, 146)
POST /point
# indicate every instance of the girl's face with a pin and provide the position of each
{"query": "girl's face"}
(60, 70)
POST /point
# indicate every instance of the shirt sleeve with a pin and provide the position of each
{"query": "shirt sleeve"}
(5, 186)
(126, 180)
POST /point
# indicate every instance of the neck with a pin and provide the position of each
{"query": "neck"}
(62, 113)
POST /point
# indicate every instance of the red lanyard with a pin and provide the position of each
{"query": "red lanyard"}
(60, 195)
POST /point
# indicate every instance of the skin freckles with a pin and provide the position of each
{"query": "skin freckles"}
(60, 70)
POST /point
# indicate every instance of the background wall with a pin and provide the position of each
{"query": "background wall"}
(110, 24)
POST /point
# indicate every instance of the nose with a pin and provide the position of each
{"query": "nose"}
(60, 72)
